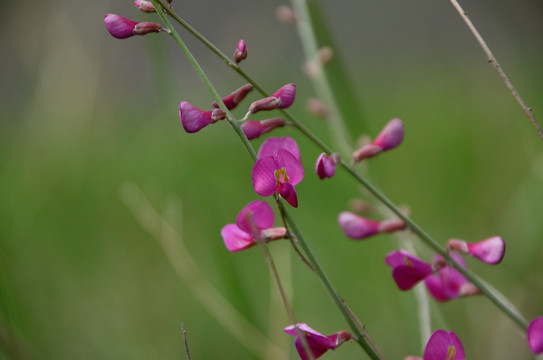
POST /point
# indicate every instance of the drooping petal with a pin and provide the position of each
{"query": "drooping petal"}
(192, 118)
(118, 26)
(408, 269)
(325, 166)
(490, 251)
(318, 343)
(444, 345)
(287, 192)
(261, 216)
(534, 335)
(293, 166)
(273, 144)
(356, 227)
(236, 239)
(263, 175)
(402, 257)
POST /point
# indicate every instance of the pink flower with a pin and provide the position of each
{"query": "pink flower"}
(121, 28)
(253, 222)
(326, 165)
(145, 6)
(389, 138)
(232, 100)
(357, 227)
(254, 129)
(194, 119)
(408, 270)
(241, 52)
(281, 99)
(449, 283)
(490, 251)
(318, 343)
(442, 345)
(534, 335)
(278, 168)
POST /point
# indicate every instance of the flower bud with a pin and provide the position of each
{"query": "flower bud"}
(147, 27)
(326, 165)
(358, 228)
(534, 335)
(194, 119)
(118, 26)
(490, 251)
(281, 99)
(389, 138)
(241, 52)
(217, 114)
(145, 6)
(232, 100)
(254, 129)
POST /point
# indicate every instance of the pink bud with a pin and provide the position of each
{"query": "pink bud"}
(194, 119)
(254, 129)
(326, 165)
(389, 138)
(357, 227)
(118, 26)
(490, 251)
(241, 52)
(534, 335)
(232, 100)
(145, 6)
(147, 27)
(281, 99)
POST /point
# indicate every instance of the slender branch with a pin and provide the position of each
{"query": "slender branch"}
(492, 59)
(185, 341)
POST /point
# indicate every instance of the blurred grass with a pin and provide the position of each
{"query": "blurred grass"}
(79, 277)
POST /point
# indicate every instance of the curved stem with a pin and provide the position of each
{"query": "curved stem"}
(492, 59)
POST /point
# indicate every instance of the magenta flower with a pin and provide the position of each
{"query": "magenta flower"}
(122, 28)
(442, 345)
(278, 168)
(241, 52)
(389, 138)
(490, 251)
(253, 222)
(318, 343)
(194, 119)
(326, 165)
(534, 335)
(449, 283)
(358, 228)
(408, 270)
(145, 6)
(281, 99)
(254, 129)
(232, 100)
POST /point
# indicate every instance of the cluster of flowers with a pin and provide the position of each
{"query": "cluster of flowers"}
(278, 169)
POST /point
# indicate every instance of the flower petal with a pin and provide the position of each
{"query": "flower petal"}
(490, 251)
(236, 239)
(287, 192)
(263, 175)
(192, 118)
(357, 227)
(118, 26)
(534, 335)
(293, 166)
(408, 276)
(273, 144)
(444, 345)
(262, 217)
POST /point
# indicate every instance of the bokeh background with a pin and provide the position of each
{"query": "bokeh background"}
(89, 124)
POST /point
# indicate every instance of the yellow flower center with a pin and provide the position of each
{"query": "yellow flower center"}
(281, 175)
(451, 353)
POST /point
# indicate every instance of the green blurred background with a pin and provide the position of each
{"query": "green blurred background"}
(84, 114)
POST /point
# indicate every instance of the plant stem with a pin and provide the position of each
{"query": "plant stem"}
(492, 59)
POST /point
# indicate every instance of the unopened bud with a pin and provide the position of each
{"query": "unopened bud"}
(389, 138)
(147, 27)
(281, 99)
(145, 6)
(254, 129)
(490, 251)
(232, 100)
(326, 165)
(217, 114)
(241, 52)
(286, 15)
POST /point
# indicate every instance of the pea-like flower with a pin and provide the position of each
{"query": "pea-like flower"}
(194, 119)
(449, 283)
(442, 345)
(326, 165)
(358, 228)
(241, 52)
(490, 251)
(122, 28)
(254, 222)
(232, 100)
(281, 99)
(389, 138)
(407, 269)
(278, 168)
(318, 343)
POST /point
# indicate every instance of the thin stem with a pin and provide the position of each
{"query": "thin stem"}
(362, 336)
(318, 76)
(185, 341)
(492, 59)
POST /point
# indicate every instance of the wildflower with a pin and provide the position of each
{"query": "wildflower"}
(442, 345)
(254, 222)
(278, 168)
(449, 283)
(281, 99)
(408, 270)
(232, 100)
(326, 165)
(145, 6)
(358, 228)
(241, 52)
(389, 138)
(534, 335)
(253, 129)
(490, 251)
(318, 343)
(122, 28)
(194, 119)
